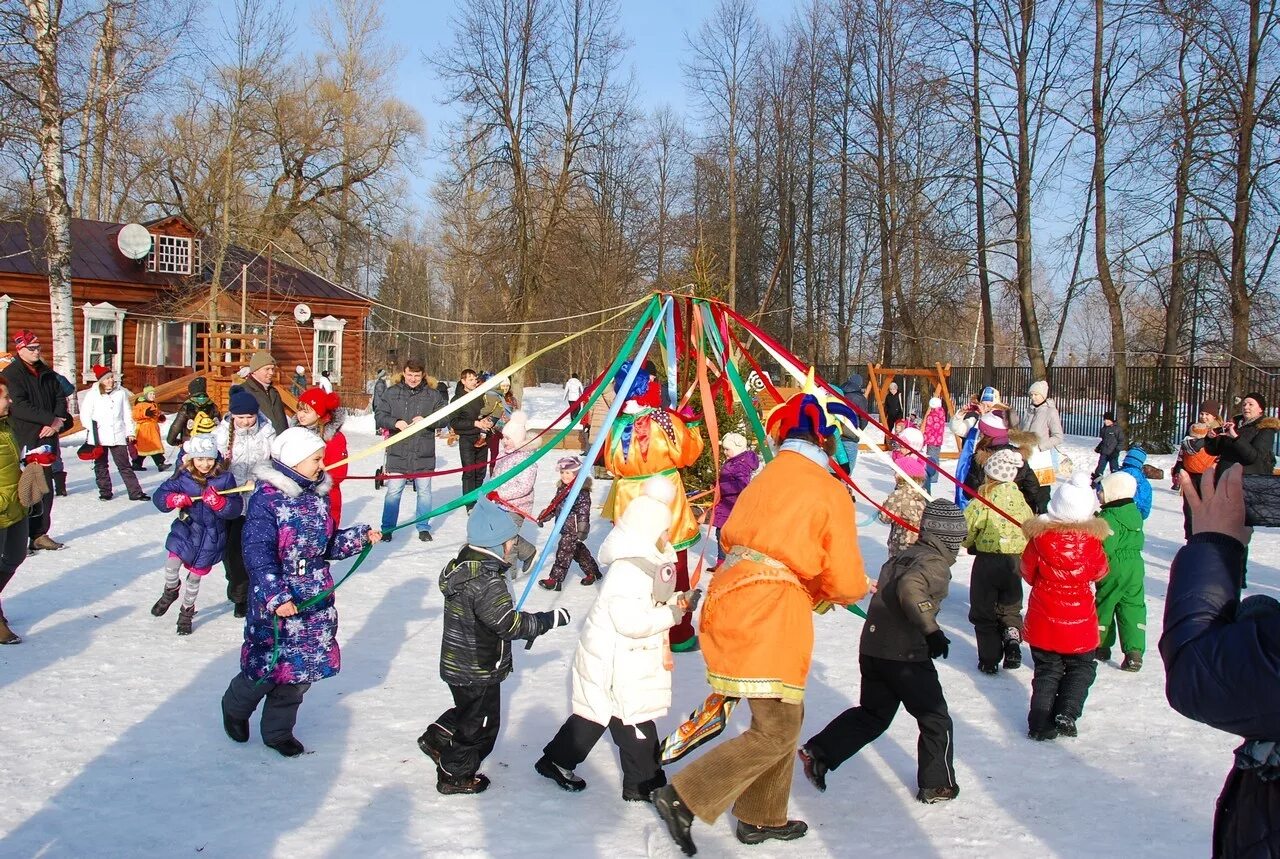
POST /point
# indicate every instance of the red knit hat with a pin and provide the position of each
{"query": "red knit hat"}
(99, 371)
(322, 402)
(25, 337)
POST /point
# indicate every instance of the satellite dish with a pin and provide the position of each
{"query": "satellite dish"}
(134, 241)
(301, 313)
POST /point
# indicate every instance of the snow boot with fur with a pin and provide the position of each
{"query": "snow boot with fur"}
(167, 598)
(185, 616)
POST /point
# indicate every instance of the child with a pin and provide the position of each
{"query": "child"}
(147, 417)
(516, 495)
(1108, 449)
(621, 673)
(905, 502)
(1121, 598)
(1135, 459)
(735, 474)
(995, 591)
(198, 404)
(244, 440)
(480, 622)
(899, 641)
(493, 407)
(289, 540)
(935, 428)
(573, 537)
(318, 411)
(1064, 556)
(198, 537)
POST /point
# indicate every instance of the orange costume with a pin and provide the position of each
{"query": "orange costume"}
(648, 441)
(147, 416)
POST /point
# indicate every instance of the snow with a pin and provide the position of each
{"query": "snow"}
(113, 745)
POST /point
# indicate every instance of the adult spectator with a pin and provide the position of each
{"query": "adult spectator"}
(855, 391)
(108, 422)
(262, 372)
(573, 396)
(1220, 657)
(1248, 439)
(892, 407)
(1046, 423)
(401, 406)
(37, 413)
(324, 383)
(14, 498)
(468, 424)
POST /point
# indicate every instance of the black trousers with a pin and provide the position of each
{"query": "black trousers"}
(1105, 461)
(233, 562)
(119, 454)
(471, 455)
(886, 684)
(42, 514)
(995, 602)
(637, 747)
(471, 726)
(1059, 687)
(138, 461)
(280, 713)
(13, 551)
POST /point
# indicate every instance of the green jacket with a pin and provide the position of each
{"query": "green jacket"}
(11, 509)
(989, 531)
(1124, 546)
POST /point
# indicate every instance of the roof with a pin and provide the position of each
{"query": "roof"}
(94, 256)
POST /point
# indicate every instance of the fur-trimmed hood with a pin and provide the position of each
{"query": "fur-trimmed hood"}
(1042, 525)
(288, 481)
(1264, 423)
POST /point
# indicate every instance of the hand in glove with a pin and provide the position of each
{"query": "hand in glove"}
(549, 620)
(939, 644)
(179, 501)
(212, 499)
(689, 600)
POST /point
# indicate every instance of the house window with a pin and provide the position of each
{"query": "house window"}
(327, 347)
(174, 255)
(103, 333)
(165, 344)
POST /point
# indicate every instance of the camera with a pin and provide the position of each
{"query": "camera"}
(1261, 500)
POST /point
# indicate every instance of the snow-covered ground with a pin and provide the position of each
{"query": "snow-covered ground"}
(112, 745)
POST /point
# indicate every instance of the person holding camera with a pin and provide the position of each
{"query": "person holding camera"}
(1248, 439)
(1220, 656)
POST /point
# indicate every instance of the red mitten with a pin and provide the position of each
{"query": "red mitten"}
(212, 499)
(494, 496)
(178, 501)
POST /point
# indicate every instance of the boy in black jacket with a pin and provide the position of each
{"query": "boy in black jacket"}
(1108, 449)
(899, 640)
(468, 423)
(480, 622)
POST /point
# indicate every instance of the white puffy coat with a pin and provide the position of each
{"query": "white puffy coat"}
(252, 446)
(111, 412)
(618, 669)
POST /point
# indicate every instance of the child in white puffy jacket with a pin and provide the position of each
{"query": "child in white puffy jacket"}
(622, 668)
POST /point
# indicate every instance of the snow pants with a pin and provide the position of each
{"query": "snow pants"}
(1059, 687)
(119, 454)
(571, 549)
(233, 562)
(523, 551)
(471, 726)
(1122, 605)
(751, 772)
(995, 602)
(887, 684)
(1245, 820)
(280, 713)
(637, 747)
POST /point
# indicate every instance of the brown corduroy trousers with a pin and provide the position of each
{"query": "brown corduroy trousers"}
(751, 772)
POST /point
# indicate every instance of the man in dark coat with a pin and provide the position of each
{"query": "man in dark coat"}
(396, 409)
(262, 372)
(467, 423)
(854, 391)
(900, 639)
(1220, 657)
(38, 413)
(1249, 439)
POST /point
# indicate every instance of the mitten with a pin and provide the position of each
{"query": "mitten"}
(939, 644)
(549, 620)
(179, 501)
(212, 499)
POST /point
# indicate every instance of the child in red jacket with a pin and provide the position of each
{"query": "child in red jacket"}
(1063, 558)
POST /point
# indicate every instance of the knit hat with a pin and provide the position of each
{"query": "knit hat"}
(646, 518)
(991, 397)
(1257, 397)
(1118, 486)
(261, 358)
(1213, 407)
(1038, 391)
(148, 391)
(198, 385)
(294, 445)
(568, 463)
(1199, 430)
(25, 337)
(935, 402)
(300, 370)
(994, 428)
(516, 429)
(488, 526)
(32, 486)
(1074, 500)
(1135, 456)
(201, 446)
(1002, 466)
(322, 402)
(101, 371)
(943, 519)
(733, 443)
(203, 424)
(243, 402)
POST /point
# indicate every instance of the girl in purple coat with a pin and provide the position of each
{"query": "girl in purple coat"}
(735, 474)
(198, 537)
(289, 539)
(573, 537)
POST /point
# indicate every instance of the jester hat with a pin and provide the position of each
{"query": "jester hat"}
(810, 411)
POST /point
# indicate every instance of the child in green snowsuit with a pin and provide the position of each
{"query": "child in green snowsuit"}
(995, 584)
(1121, 598)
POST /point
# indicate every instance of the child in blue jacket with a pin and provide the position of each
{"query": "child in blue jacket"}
(198, 536)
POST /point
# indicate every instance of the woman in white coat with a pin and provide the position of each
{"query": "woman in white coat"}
(622, 669)
(107, 416)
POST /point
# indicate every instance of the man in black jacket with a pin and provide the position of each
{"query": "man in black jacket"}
(396, 409)
(37, 414)
(467, 423)
(262, 374)
(899, 639)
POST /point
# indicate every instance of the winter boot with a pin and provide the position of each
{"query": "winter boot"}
(141, 496)
(988, 667)
(237, 729)
(425, 537)
(749, 833)
(185, 615)
(453, 785)
(1012, 648)
(590, 579)
(7, 635)
(167, 598)
(241, 609)
(814, 768)
(677, 816)
(1132, 661)
(1042, 734)
(60, 484)
(1102, 654)
(931, 795)
(44, 541)
(289, 746)
(558, 774)
(434, 741)
(644, 793)
(1066, 726)
(549, 584)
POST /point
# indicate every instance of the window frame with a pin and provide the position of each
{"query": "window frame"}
(338, 327)
(104, 311)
